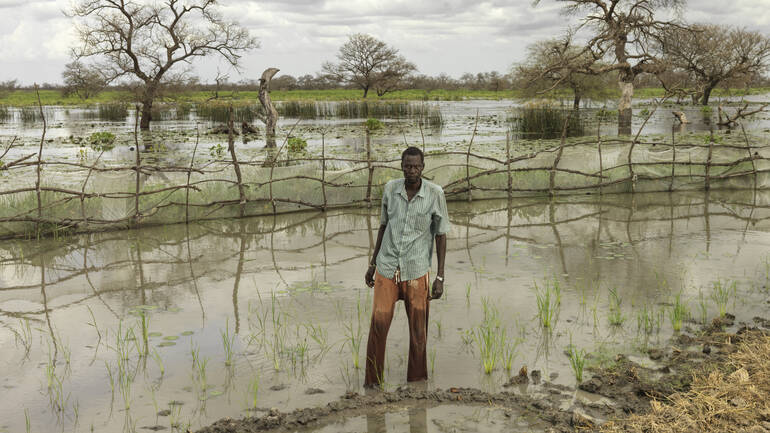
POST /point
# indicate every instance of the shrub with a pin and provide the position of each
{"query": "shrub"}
(102, 141)
(297, 144)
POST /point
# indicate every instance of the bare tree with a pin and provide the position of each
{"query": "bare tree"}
(367, 62)
(553, 65)
(129, 38)
(622, 34)
(8, 87)
(81, 80)
(712, 54)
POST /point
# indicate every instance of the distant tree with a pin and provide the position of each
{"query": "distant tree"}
(81, 80)
(284, 82)
(538, 76)
(368, 63)
(8, 87)
(129, 38)
(622, 35)
(711, 54)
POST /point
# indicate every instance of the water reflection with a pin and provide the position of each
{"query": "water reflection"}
(205, 277)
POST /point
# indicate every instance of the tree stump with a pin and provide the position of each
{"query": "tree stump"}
(680, 116)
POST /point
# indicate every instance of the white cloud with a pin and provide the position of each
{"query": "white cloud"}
(452, 36)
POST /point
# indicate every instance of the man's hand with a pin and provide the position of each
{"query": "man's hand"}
(438, 289)
(369, 277)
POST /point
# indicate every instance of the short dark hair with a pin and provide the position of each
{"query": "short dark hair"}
(413, 151)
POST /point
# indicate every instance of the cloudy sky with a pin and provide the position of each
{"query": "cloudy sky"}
(452, 36)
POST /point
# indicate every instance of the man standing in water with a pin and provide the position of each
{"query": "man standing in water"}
(413, 214)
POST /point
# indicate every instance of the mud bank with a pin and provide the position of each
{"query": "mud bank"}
(621, 389)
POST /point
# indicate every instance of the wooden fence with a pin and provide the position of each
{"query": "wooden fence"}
(283, 182)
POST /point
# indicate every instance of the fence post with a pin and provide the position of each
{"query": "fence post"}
(508, 166)
(371, 169)
(468, 159)
(236, 167)
(39, 166)
(138, 162)
(189, 173)
(751, 156)
(673, 158)
(323, 170)
(707, 186)
(631, 173)
(601, 160)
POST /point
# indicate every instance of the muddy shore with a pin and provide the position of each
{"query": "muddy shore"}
(614, 392)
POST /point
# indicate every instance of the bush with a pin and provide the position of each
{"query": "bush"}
(373, 124)
(297, 144)
(101, 141)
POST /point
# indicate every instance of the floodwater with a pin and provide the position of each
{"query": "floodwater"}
(182, 325)
(182, 137)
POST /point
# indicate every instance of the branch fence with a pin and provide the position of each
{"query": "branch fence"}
(70, 197)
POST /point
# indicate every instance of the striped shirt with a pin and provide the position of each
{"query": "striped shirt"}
(410, 228)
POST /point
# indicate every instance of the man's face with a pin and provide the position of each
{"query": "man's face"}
(412, 167)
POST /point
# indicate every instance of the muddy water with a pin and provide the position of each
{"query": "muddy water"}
(182, 136)
(287, 294)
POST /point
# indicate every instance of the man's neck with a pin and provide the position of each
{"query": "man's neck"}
(412, 189)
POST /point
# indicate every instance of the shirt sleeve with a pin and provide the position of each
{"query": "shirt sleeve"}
(440, 224)
(384, 206)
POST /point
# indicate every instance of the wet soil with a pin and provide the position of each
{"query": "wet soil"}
(614, 391)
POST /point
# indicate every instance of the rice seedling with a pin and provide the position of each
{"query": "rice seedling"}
(354, 333)
(5, 113)
(615, 315)
(703, 308)
(27, 421)
(645, 321)
(489, 337)
(678, 313)
(720, 294)
(577, 360)
(432, 357)
(253, 389)
(509, 351)
(159, 361)
(227, 343)
(548, 303)
(468, 292)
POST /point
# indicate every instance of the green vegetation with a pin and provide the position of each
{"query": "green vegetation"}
(615, 314)
(548, 303)
(678, 313)
(577, 360)
(720, 294)
(296, 144)
(546, 122)
(372, 124)
(101, 141)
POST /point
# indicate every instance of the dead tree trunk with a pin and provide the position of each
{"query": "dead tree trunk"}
(271, 114)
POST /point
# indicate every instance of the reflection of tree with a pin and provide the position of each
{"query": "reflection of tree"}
(173, 259)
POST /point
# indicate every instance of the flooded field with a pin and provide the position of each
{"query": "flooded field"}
(178, 326)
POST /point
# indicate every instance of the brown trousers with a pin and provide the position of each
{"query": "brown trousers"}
(415, 295)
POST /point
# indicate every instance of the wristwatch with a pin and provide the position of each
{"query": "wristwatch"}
(440, 278)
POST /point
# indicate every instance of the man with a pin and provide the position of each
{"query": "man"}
(413, 214)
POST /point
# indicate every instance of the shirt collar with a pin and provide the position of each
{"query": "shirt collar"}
(420, 193)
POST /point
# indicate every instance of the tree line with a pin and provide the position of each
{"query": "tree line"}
(616, 46)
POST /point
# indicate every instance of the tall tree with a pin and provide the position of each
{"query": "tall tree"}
(540, 76)
(622, 34)
(369, 63)
(128, 39)
(711, 54)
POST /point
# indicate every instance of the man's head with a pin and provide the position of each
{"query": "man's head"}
(412, 163)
